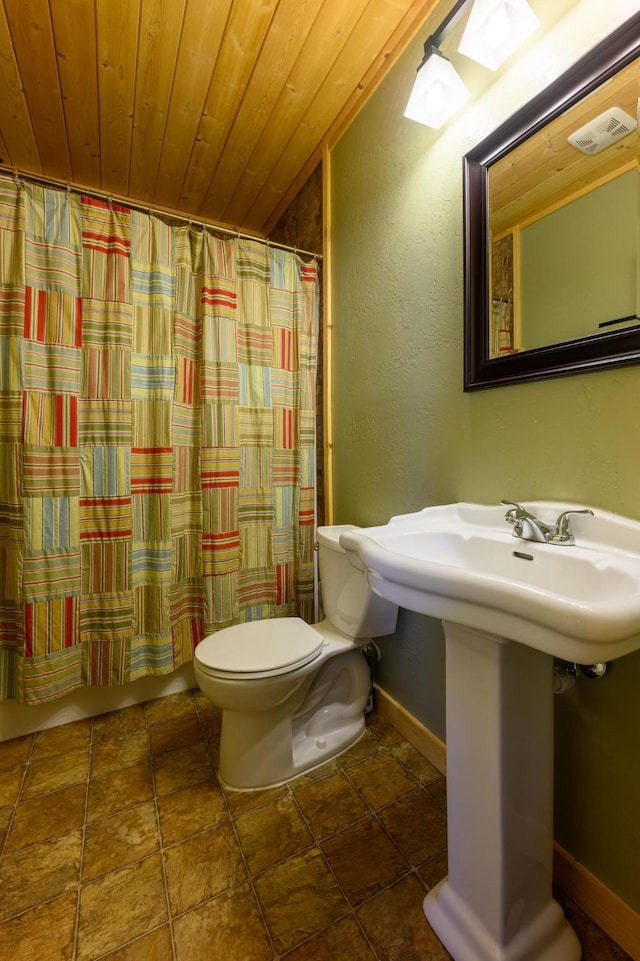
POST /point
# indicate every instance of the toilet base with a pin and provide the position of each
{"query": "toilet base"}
(308, 757)
(265, 749)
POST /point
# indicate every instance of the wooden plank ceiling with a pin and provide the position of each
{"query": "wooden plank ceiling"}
(546, 172)
(215, 108)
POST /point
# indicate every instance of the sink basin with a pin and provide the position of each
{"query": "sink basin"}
(461, 563)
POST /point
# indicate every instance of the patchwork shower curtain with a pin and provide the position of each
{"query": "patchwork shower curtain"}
(157, 424)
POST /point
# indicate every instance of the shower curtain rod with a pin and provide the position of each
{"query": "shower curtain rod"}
(151, 209)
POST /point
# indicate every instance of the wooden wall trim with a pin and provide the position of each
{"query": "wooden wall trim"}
(599, 902)
(410, 727)
(602, 905)
(327, 338)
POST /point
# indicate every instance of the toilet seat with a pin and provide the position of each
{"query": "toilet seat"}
(259, 648)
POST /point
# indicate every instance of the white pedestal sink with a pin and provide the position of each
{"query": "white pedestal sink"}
(508, 606)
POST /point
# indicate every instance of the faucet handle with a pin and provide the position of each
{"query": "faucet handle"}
(562, 533)
(517, 513)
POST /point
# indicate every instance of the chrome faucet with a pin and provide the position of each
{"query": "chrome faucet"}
(530, 528)
(562, 533)
(525, 525)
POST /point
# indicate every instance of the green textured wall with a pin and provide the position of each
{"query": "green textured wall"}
(578, 265)
(406, 435)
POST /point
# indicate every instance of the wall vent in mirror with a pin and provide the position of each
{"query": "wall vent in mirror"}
(539, 213)
(603, 131)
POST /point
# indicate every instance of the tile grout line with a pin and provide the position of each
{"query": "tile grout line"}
(76, 931)
(232, 821)
(374, 812)
(161, 847)
(14, 806)
(315, 843)
(351, 910)
(140, 860)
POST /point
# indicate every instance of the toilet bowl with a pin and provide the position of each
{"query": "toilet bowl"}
(293, 694)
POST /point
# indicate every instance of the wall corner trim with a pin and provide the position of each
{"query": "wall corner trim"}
(602, 905)
(410, 727)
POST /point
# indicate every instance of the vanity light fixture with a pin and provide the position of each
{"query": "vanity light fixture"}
(495, 29)
(438, 91)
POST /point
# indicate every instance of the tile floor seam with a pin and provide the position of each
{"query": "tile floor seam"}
(214, 762)
(5, 854)
(161, 848)
(341, 888)
(250, 880)
(315, 844)
(35, 907)
(350, 913)
(317, 838)
(12, 817)
(283, 860)
(385, 887)
(370, 812)
(230, 818)
(142, 857)
(125, 944)
(352, 908)
(392, 839)
(383, 749)
(76, 931)
(374, 812)
(16, 801)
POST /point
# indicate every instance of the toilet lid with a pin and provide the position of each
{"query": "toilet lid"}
(272, 646)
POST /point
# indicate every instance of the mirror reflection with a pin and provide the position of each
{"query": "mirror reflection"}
(563, 222)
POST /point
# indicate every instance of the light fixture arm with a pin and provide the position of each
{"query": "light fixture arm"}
(449, 22)
(430, 48)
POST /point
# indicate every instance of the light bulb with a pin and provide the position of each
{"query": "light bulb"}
(437, 92)
(434, 99)
(497, 27)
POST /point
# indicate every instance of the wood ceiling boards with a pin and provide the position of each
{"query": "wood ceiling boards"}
(218, 109)
(546, 172)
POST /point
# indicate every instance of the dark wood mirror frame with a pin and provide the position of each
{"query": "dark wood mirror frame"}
(595, 352)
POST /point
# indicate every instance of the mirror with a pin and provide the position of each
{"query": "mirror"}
(552, 228)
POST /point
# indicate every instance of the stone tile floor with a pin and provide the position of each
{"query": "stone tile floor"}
(117, 843)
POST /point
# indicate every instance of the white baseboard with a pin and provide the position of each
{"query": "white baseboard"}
(19, 719)
(599, 902)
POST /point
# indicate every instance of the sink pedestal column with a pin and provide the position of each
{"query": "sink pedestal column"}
(496, 903)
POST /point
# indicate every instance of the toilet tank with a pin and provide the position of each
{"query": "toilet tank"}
(348, 601)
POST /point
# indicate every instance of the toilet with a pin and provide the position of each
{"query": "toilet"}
(293, 695)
